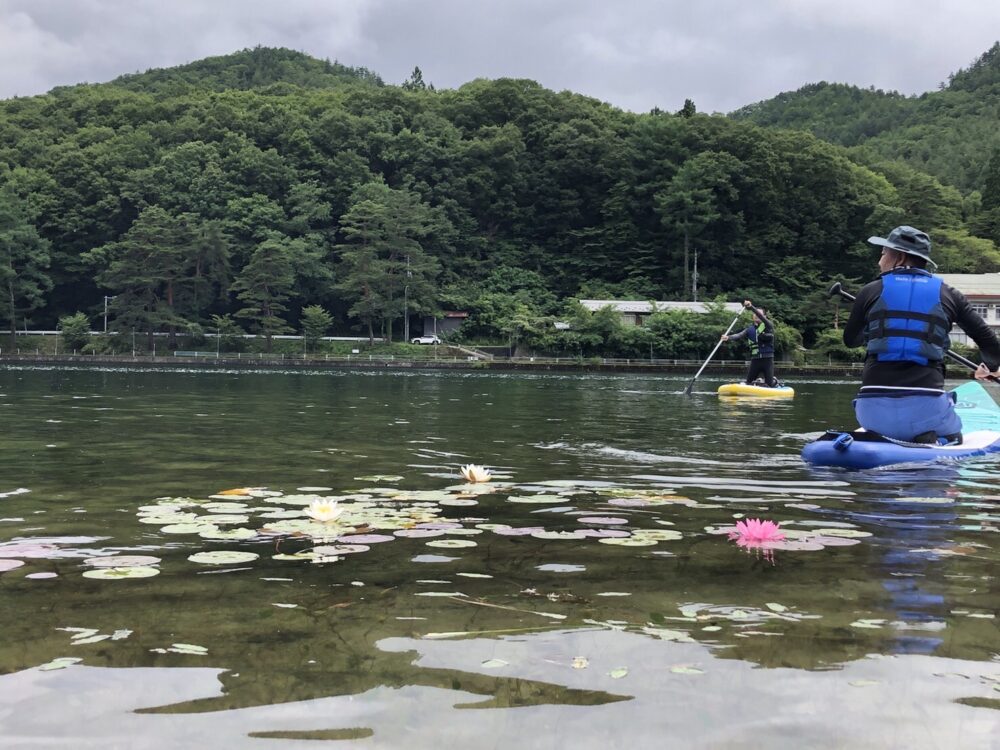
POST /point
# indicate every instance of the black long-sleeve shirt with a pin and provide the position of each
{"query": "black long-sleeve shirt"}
(910, 374)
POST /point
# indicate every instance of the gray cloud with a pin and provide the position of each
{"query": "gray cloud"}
(637, 55)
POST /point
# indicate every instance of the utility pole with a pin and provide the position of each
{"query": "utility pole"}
(694, 277)
(406, 303)
(106, 298)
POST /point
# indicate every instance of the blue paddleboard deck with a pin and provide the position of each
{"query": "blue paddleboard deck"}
(864, 450)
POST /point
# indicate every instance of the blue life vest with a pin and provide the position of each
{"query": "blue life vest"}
(907, 322)
(761, 341)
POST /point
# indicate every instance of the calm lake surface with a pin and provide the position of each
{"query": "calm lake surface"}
(587, 597)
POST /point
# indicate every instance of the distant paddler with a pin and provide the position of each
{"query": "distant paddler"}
(902, 319)
(760, 337)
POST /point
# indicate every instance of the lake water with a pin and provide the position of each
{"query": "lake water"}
(587, 597)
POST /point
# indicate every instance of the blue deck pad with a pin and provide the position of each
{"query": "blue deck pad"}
(859, 450)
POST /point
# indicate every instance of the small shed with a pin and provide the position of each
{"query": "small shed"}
(635, 312)
(447, 322)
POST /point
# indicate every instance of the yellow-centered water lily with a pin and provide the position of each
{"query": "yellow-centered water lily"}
(324, 511)
(476, 473)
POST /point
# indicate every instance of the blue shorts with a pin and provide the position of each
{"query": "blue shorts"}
(905, 414)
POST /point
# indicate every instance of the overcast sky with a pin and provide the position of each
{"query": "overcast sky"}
(636, 54)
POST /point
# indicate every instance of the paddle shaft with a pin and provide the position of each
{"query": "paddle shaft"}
(835, 289)
(690, 385)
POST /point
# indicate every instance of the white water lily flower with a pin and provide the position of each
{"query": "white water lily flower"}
(476, 473)
(324, 511)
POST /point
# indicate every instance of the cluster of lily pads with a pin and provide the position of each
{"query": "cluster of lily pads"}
(338, 525)
(314, 525)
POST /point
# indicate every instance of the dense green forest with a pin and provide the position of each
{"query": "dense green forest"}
(950, 134)
(264, 190)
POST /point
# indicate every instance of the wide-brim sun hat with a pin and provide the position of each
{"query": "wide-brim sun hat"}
(907, 240)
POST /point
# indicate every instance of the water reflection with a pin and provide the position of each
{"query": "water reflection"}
(395, 639)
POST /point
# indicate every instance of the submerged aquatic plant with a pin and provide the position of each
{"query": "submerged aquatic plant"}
(324, 510)
(756, 533)
(476, 473)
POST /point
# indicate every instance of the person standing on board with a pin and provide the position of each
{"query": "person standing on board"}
(902, 319)
(760, 336)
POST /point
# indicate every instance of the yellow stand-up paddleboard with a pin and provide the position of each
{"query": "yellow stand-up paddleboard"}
(759, 391)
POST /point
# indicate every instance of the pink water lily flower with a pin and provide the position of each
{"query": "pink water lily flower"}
(755, 533)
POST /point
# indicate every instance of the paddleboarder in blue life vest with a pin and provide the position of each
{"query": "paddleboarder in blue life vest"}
(760, 336)
(902, 319)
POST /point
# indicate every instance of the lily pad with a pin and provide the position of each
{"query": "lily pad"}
(379, 478)
(340, 549)
(561, 568)
(186, 528)
(220, 518)
(441, 594)
(283, 513)
(166, 519)
(222, 557)
(618, 673)
(659, 535)
(8, 564)
(602, 520)
(297, 557)
(188, 648)
(27, 549)
(122, 561)
(214, 533)
(629, 542)
(110, 574)
(519, 531)
(576, 534)
(846, 533)
(605, 533)
(90, 639)
(834, 541)
(365, 538)
(239, 491)
(451, 543)
(418, 533)
(61, 663)
(226, 507)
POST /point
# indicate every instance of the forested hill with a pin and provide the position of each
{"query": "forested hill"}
(251, 187)
(951, 133)
(249, 69)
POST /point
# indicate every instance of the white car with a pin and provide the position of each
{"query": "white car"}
(425, 340)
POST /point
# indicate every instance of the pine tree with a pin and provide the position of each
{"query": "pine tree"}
(264, 286)
(24, 258)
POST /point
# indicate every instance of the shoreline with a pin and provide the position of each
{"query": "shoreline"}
(662, 367)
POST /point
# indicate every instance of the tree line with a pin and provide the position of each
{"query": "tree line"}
(260, 190)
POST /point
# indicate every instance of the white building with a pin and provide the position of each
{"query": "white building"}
(635, 312)
(983, 292)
